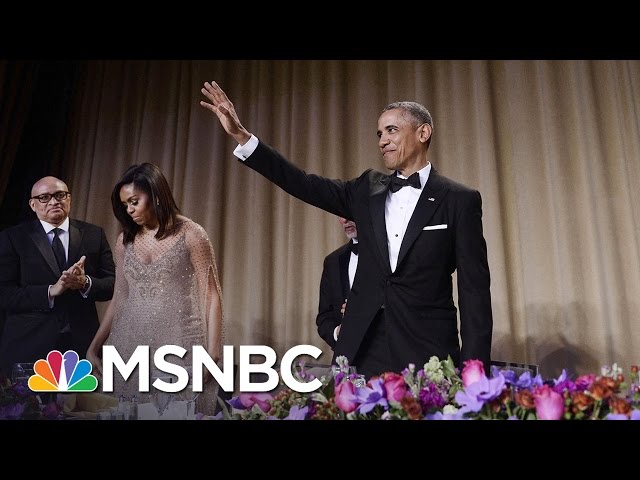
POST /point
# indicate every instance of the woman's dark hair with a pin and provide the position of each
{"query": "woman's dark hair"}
(148, 178)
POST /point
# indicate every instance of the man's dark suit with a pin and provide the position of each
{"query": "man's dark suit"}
(417, 298)
(334, 289)
(27, 268)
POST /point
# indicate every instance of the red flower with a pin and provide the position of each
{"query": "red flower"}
(472, 372)
(394, 386)
(549, 404)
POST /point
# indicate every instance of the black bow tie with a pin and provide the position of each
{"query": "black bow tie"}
(354, 248)
(397, 183)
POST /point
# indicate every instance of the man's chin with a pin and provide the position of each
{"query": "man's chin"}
(389, 164)
(56, 219)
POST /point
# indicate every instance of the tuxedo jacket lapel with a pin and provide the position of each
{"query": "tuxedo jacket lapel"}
(432, 195)
(343, 265)
(42, 242)
(377, 198)
(75, 240)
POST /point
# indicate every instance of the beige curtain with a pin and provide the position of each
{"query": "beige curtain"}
(553, 147)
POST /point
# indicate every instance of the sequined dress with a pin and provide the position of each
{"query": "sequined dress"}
(167, 293)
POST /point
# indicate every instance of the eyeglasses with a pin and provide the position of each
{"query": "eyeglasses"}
(46, 197)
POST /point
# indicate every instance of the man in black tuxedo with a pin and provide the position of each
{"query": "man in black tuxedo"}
(52, 271)
(415, 228)
(338, 273)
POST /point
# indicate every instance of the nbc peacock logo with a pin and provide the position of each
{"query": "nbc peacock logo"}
(62, 373)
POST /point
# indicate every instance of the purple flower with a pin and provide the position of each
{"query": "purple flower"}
(635, 415)
(526, 381)
(563, 383)
(21, 390)
(567, 385)
(297, 413)
(473, 397)
(616, 416)
(523, 381)
(370, 397)
(563, 377)
(51, 411)
(430, 397)
(245, 401)
(583, 382)
(236, 403)
(510, 376)
(12, 411)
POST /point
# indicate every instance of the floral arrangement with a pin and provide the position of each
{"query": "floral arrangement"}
(439, 391)
(18, 402)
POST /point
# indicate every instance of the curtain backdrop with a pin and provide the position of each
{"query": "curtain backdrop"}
(552, 146)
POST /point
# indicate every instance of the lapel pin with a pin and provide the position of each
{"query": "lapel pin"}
(431, 199)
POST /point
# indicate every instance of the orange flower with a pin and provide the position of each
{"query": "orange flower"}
(620, 405)
(580, 402)
(524, 398)
(412, 407)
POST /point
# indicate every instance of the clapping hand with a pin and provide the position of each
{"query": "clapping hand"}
(74, 278)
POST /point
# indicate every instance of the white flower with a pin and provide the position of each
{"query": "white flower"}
(449, 409)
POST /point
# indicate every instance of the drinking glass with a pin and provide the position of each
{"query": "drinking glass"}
(20, 372)
(189, 396)
(352, 374)
(103, 415)
(160, 399)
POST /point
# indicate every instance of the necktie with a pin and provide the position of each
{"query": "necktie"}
(354, 248)
(58, 249)
(397, 183)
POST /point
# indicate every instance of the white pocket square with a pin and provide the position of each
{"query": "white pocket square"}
(436, 227)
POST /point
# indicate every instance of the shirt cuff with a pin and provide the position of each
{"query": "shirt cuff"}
(49, 296)
(335, 333)
(244, 151)
(85, 293)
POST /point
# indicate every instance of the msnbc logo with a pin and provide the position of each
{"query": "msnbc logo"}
(62, 373)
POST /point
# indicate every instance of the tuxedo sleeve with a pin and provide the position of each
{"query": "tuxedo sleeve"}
(331, 195)
(329, 316)
(103, 274)
(474, 296)
(15, 297)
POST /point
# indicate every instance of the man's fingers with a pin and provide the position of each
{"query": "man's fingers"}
(208, 106)
(214, 93)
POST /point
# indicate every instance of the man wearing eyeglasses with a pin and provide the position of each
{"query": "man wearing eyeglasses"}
(52, 271)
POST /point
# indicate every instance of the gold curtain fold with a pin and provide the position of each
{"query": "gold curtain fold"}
(553, 147)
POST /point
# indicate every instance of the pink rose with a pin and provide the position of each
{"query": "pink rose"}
(549, 404)
(345, 397)
(394, 386)
(248, 400)
(472, 372)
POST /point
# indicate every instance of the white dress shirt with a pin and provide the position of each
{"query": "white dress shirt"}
(398, 208)
(353, 265)
(63, 235)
